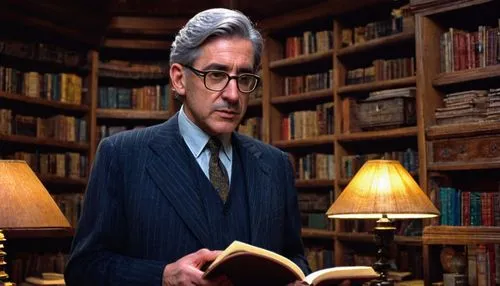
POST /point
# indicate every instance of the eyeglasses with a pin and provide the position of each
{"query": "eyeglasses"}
(215, 80)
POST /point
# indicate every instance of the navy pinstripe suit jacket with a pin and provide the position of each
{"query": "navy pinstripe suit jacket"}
(142, 209)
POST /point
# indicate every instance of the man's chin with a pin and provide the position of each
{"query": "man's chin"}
(223, 127)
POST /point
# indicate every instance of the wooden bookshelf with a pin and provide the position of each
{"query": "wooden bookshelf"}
(460, 77)
(369, 46)
(131, 114)
(462, 166)
(40, 102)
(301, 60)
(132, 72)
(377, 85)
(39, 233)
(463, 130)
(53, 179)
(314, 183)
(382, 134)
(369, 238)
(318, 233)
(311, 96)
(460, 235)
(255, 103)
(307, 142)
(48, 142)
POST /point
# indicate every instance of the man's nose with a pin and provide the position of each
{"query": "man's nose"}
(231, 92)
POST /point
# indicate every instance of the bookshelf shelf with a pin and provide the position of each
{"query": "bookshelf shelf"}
(343, 181)
(131, 114)
(317, 233)
(463, 129)
(300, 60)
(27, 140)
(460, 235)
(454, 166)
(47, 65)
(52, 179)
(40, 233)
(377, 43)
(307, 142)
(367, 237)
(383, 134)
(130, 72)
(40, 102)
(450, 78)
(377, 85)
(319, 95)
(314, 183)
(255, 103)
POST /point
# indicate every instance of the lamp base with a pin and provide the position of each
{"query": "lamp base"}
(384, 236)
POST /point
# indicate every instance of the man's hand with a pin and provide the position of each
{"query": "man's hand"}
(186, 271)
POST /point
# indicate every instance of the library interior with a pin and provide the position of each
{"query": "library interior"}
(408, 86)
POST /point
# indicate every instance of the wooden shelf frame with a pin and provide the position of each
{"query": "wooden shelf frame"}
(53, 179)
(469, 165)
(403, 132)
(319, 95)
(47, 142)
(39, 233)
(460, 235)
(255, 103)
(306, 142)
(314, 183)
(464, 76)
(300, 60)
(463, 130)
(377, 85)
(41, 102)
(318, 233)
(132, 114)
(368, 46)
(369, 238)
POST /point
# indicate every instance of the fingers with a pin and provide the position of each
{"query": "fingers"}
(204, 255)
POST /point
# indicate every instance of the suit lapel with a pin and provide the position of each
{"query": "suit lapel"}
(258, 182)
(171, 172)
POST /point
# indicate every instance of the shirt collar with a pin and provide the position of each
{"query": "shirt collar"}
(197, 139)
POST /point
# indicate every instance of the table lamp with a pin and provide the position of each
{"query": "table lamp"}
(383, 190)
(25, 204)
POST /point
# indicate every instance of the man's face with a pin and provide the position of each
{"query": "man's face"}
(217, 112)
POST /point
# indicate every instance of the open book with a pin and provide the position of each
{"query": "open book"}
(245, 264)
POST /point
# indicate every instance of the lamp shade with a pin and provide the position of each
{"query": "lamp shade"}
(382, 187)
(24, 201)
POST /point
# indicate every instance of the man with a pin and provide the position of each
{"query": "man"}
(158, 204)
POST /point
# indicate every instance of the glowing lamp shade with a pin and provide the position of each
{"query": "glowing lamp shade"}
(382, 187)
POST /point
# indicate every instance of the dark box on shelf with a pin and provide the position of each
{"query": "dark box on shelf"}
(460, 150)
(386, 109)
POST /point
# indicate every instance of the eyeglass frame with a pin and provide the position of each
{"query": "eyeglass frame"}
(203, 74)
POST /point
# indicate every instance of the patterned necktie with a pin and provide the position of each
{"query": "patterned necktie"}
(218, 176)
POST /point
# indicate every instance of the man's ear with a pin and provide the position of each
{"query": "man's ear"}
(177, 79)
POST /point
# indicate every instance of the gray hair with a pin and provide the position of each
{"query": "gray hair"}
(217, 22)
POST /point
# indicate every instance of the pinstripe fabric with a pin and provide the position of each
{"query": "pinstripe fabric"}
(143, 210)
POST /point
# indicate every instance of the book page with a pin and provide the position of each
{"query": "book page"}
(341, 273)
(238, 246)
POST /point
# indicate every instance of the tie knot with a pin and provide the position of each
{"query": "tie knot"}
(214, 145)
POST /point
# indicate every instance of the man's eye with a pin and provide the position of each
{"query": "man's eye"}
(216, 75)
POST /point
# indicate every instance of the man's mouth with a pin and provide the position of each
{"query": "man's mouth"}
(228, 114)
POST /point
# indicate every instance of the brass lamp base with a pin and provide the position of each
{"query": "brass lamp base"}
(3, 275)
(384, 236)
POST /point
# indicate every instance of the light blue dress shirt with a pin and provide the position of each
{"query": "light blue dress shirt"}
(196, 140)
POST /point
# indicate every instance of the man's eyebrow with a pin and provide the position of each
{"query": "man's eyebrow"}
(220, 67)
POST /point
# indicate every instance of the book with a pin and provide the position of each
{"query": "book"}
(245, 264)
(47, 278)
